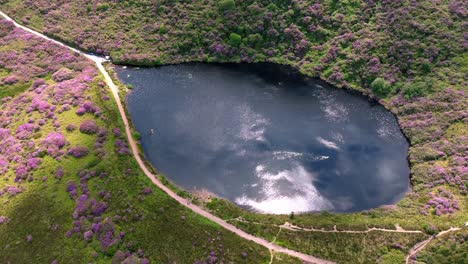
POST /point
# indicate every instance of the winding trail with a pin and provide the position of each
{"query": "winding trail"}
(421, 245)
(292, 227)
(115, 91)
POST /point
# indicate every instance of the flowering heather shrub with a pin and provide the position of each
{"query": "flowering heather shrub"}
(78, 151)
(25, 131)
(70, 127)
(81, 206)
(88, 127)
(71, 189)
(80, 111)
(101, 134)
(121, 147)
(62, 75)
(12, 79)
(21, 172)
(3, 166)
(52, 143)
(54, 139)
(88, 106)
(147, 190)
(33, 163)
(106, 234)
(12, 190)
(441, 203)
(39, 105)
(116, 132)
(59, 172)
(3, 219)
(38, 83)
(88, 235)
(97, 208)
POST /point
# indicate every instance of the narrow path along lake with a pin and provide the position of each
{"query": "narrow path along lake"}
(267, 138)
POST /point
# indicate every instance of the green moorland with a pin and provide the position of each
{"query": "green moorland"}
(60, 203)
(449, 249)
(410, 55)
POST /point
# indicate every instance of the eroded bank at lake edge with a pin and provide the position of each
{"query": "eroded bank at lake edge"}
(266, 138)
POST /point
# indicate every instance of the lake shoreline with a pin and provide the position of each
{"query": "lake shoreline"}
(285, 72)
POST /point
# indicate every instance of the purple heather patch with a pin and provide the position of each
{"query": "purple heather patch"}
(3, 219)
(78, 151)
(88, 127)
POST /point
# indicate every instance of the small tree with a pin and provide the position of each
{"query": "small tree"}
(225, 5)
(235, 39)
(381, 87)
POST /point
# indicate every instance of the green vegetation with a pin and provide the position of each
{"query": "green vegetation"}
(102, 7)
(407, 53)
(136, 135)
(450, 248)
(15, 89)
(280, 258)
(417, 89)
(235, 39)
(225, 5)
(351, 248)
(380, 87)
(98, 207)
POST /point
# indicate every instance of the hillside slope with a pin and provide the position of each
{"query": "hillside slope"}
(411, 55)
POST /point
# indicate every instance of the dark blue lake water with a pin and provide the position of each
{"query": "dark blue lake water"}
(266, 138)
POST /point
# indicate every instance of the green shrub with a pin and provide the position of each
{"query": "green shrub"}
(226, 5)
(426, 67)
(381, 87)
(254, 40)
(102, 7)
(235, 39)
(272, 7)
(394, 256)
(162, 29)
(93, 162)
(417, 89)
(136, 135)
(429, 229)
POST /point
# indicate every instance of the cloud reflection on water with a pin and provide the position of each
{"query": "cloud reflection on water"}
(299, 146)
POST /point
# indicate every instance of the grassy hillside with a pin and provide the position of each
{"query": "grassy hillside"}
(347, 42)
(452, 248)
(70, 190)
(410, 55)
